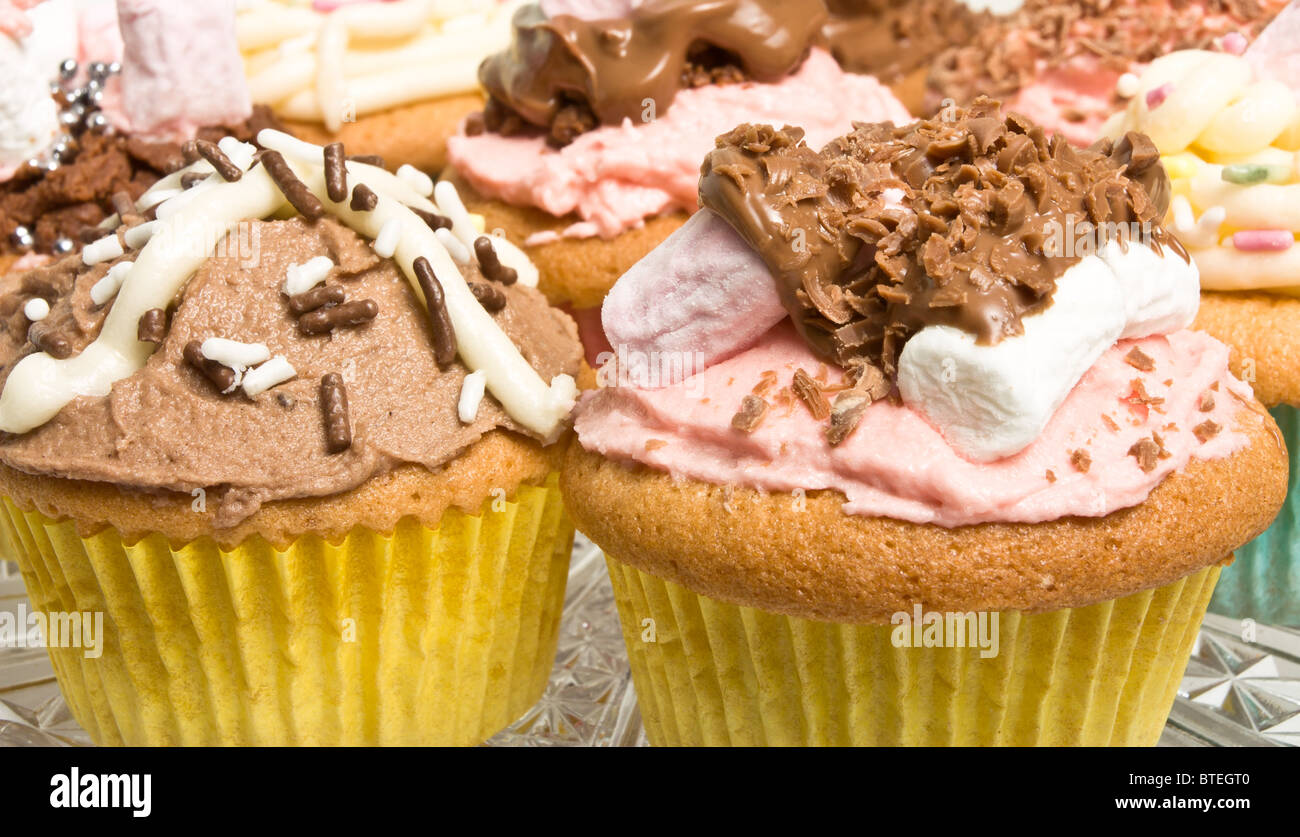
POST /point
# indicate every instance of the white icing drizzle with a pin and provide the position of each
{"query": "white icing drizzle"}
(275, 371)
(39, 385)
(300, 278)
(471, 395)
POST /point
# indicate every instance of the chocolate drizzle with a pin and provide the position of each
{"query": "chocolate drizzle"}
(960, 221)
(569, 75)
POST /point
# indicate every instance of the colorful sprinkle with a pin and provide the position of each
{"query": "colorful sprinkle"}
(1157, 95)
(1247, 173)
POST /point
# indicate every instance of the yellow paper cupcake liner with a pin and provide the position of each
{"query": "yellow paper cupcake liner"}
(709, 673)
(419, 637)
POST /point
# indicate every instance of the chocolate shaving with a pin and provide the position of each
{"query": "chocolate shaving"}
(444, 335)
(221, 376)
(811, 395)
(336, 172)
(225, 167)
(334, 410)
(295, 191)
(1110, 423)
(488, 295)
(1051, 475)
(152, 326)
(766, 381)
(317, 297)
(1146, 451)
(752, 411)
(1139, 360)
(364, 198)
(1081, 460)
(489, 265)
(1206, 402)
(846, 413)
(343, 315)
(1140, 395)
(46, 339)
(1207, 430)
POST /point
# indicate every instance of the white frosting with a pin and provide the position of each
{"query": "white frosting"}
(29, 118)
(993, 401)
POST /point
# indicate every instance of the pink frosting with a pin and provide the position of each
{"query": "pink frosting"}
(897, 465)
(1084, 87)
(617, 176)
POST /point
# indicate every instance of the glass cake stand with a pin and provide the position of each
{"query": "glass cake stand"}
(1235, 692)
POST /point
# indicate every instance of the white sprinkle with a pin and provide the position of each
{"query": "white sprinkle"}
(416, 179)
(102, 250)
(139, 235)
(277, 370)
(240, 153)
(450, 204)
(1128, 85)
(109, 284)
(389, 234)
(471, 393)
(36, 309)
(300, 278)
(455, 249)
(234, 354)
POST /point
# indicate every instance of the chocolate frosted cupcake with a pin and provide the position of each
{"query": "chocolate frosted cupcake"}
(1228, 127)
(291, 438)
(598, 115)
(950, 468)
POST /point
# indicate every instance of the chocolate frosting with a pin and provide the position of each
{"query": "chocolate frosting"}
(568, 75)
(946, 221)
(166, 428)
(889, 39)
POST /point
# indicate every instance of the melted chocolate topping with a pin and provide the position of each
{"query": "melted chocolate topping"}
(961, 220)
(568, 75)
(889, 39)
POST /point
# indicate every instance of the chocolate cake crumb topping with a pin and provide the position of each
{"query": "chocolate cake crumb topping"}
(752, 410)
(955, 221)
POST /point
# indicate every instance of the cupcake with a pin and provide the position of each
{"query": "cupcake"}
(95, 113)
(1066, 65)
(954, 470)
(392, 79)
(1228, 128)
(295, 439)
(599, 113)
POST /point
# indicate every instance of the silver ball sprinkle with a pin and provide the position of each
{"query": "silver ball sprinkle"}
(23, 237)
(63, 246)
(115, 68)
(70, 118)
(67, 68)
(98, 70)
(97, 122)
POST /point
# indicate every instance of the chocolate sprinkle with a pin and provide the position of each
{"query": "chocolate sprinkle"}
(752, 411)
(317, 297)
(334, 409)
(367, 159)
(811, 395)
(489, 296)
(190, 153)
(122, 203)
(297, 193)
(444, 335)
(490, 265)
(434, 220)
(364, 198)
(336, 172)
(221, 376)
(44, 338)
(152, 326)
(347, 314)
(225, 167)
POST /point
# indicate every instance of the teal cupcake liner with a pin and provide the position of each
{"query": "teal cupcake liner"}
(1264, 582)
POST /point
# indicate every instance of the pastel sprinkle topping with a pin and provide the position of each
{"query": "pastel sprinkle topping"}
(1256, 241)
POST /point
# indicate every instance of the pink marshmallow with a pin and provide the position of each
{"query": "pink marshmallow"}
(702, 294)
(1263, 241)
(181, 67)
